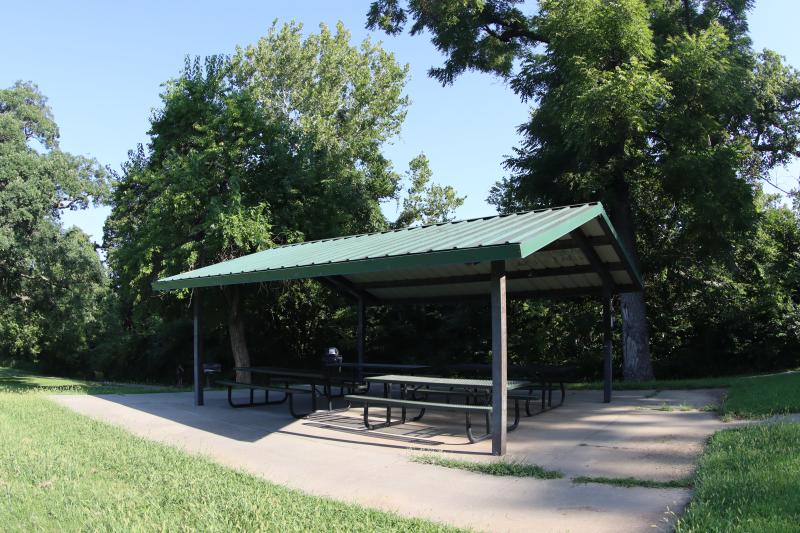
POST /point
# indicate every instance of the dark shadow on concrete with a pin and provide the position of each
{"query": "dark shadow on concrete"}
(250, 424)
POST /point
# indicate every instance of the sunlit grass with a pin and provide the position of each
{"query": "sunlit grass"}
(60, 471)
(748, 480)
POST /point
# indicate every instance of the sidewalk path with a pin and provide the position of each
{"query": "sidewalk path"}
(330, 454)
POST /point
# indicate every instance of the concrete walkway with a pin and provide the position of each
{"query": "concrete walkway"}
(330, 454)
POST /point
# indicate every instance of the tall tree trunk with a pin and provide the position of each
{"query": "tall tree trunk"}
(636, 362)
(236, 330)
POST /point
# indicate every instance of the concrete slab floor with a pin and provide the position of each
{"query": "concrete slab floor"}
(331, 454)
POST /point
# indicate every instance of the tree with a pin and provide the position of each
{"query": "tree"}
(660, 109)
(53, 287)
(426, 202)
(279, 143)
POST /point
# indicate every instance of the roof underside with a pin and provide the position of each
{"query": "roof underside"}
(561, 252)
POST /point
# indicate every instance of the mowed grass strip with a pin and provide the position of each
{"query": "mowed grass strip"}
(763, 396)
(504, 467)
(724, 382)
(15, 380)
(748, 480)
(60, 471)
(662, 384)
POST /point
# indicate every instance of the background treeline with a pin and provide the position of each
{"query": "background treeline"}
(282, 142)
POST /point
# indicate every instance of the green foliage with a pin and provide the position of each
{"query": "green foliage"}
(279, 143)
(66, 472)
(747, 480)
(481, 35)
(426, 202)
(493, 468)
(53, 287)
(742, 314)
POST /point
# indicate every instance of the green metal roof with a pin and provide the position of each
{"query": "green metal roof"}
(448, 259)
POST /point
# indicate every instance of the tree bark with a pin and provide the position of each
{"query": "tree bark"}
(236, 331)
(636, 361)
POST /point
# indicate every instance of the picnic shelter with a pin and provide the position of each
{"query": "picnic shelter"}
(563, 252)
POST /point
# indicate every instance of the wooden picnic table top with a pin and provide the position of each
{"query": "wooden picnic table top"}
(446, 382)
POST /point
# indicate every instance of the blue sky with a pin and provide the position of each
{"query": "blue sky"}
(101, 64)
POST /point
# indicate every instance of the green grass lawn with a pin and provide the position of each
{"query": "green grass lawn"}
(663, 384)
(748, 480)
(763, 396)
(60, 471)
(748, 396)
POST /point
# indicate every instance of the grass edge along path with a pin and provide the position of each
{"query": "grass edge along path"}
(506, 467)
(748, 479)
(748, 397)
(721, 382)
(63, 471)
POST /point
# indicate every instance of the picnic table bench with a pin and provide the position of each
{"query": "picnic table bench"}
(475, 392)
(288, 393)
(286, 381)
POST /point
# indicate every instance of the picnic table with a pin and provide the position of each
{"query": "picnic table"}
(546, 375)
(476, 393)
(286, 381)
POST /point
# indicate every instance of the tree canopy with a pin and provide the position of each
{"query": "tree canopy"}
(662, 110)
(280, 142)
(52, 284)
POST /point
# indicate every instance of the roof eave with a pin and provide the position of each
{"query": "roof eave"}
(554, 233)
(462, 255)
(624, 254)
(596, 211)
